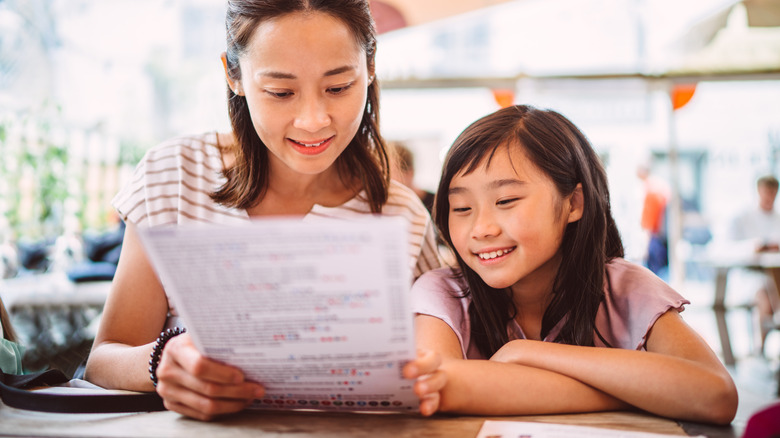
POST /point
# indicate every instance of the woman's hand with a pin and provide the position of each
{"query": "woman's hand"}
(431, 379)
(196, 386)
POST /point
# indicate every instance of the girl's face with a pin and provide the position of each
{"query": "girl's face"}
(305, 80)
(507, 220)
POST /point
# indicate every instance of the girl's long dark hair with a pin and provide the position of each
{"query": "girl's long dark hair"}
(365, 158)
(564, 154)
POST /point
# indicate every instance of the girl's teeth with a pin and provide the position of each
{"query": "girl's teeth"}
(493, 254)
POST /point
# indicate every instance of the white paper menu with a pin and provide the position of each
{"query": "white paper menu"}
(318, 312)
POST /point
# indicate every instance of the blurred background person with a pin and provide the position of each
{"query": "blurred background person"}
(403, 172)
(755, 230)
(653, 221)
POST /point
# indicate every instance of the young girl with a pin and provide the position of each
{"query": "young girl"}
(544, 315)
(305, 141)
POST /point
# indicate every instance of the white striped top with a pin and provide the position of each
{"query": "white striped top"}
(172, 183)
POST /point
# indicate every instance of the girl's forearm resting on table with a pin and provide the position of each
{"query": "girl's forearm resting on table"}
(662, 384)
(484, 387)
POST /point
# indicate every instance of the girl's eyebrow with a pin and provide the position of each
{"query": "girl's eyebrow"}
(282, 75)
(497, 184)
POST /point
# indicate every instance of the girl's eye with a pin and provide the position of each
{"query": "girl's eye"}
(460, 209)
(340, 89)
(507, 201)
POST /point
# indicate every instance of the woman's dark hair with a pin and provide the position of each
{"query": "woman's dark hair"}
(564, 154)
(365, 158)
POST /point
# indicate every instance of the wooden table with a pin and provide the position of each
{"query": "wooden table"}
(766, 262)
(14, 422)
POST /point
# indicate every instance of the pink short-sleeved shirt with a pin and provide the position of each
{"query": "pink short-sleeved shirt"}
(634, 299)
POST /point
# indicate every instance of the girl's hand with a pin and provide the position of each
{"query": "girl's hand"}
(431, 379)
(196, 386)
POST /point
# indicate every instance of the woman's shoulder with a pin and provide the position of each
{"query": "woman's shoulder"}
(195, 148)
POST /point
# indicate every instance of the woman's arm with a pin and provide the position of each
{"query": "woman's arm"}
(679, 376)
(487, 387)
(133, 316)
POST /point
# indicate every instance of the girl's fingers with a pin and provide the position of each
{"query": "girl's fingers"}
(430, 384)
(430, 404)
(426, 362)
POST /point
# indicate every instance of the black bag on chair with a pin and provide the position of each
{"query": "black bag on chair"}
(15, 392)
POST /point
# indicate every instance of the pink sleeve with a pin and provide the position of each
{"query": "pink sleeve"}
(436, 293)
(634, 300)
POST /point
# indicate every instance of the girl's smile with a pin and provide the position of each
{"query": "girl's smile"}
(494, 254)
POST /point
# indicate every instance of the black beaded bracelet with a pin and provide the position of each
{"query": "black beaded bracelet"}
(159, 344)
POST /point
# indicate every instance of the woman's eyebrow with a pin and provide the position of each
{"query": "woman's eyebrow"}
(282, 75)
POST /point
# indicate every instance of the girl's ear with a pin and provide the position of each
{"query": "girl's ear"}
(576, 204)
(235, 85)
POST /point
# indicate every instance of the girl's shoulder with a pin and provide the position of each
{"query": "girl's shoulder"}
(625, 276)
(634, 298)
(441, 280)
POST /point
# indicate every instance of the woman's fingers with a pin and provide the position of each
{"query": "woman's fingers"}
(193, 404)
(194, 385)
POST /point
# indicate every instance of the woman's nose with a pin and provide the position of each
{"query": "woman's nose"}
(312, 114)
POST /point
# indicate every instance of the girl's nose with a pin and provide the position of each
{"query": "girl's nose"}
(312, 114)
(485, 226)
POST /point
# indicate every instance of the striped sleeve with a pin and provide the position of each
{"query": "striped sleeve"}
(172, 185)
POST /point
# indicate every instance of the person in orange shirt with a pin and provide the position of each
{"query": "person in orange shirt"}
(654, 220)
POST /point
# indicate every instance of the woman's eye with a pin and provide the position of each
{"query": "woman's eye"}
(279, 94)
(339, 89)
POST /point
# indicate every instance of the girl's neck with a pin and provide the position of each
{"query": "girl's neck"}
(532, 295)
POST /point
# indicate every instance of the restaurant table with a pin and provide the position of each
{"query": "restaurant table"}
(768, 263)
(16, 422)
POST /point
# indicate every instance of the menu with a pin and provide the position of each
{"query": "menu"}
(318, 312)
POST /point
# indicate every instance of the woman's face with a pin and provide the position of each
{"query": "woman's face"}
(305, 80)
(507, 220)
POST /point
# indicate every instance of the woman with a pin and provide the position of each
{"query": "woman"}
(303, 104)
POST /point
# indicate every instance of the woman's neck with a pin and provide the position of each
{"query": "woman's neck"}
(292, 193)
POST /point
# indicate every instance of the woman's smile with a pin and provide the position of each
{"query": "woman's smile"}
(311, 147)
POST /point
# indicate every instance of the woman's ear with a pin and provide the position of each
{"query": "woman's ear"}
(576, 204)
(234, 85)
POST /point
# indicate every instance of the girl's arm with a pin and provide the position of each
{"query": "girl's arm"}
(487, 387)
(134, 313)
(678, 376)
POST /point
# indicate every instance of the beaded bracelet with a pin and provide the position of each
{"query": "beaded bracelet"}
(156, 354)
